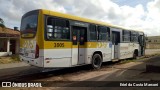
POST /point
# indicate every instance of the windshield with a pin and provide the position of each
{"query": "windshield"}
(29, 26)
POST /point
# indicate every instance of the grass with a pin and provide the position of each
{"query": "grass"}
(126, 61)
(9, 59)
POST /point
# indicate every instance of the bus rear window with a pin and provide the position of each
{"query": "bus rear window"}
(29, 26)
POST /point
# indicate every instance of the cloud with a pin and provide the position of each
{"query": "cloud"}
(135, 17)
(12, 10)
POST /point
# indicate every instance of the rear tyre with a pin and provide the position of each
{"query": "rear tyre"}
(135, 55)
(96, 61)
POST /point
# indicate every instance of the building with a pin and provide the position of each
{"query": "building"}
(153, 42)
(9, 41)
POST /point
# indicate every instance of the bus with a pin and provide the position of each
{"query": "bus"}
(51, 39)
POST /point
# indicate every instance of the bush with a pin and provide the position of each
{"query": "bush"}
(1, 25)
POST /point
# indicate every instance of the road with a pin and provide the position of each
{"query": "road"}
(132, 71)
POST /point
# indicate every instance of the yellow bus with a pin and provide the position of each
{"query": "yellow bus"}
(51, 39)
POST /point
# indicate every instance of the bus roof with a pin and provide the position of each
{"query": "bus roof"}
(72, 17)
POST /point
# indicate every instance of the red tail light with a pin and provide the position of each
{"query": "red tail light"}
(37, 51)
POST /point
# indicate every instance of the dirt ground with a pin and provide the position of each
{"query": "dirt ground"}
(130, 71)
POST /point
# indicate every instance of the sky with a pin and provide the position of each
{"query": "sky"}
(143, 15)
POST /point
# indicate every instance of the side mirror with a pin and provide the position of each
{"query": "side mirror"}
(49, 31)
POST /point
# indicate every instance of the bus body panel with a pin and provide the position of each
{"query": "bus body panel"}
(57, 57)
(64, 57)
(64, 54)
(127, 50)
(103, 47)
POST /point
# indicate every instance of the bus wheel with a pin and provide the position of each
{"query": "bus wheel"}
(135, 55)
(96, 61)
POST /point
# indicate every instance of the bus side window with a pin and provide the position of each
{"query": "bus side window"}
(126, 36)
(58, 29)
(93, 32)
(103, 33)
(134, 36)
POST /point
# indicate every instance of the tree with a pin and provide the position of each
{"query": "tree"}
(2, 23)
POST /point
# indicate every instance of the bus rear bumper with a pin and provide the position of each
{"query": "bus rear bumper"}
(35, 62)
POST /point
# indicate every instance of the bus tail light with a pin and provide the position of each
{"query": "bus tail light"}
(37, 51)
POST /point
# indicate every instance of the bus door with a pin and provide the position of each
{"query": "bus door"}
(142, 45)
(78, 45)
(115, 44)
